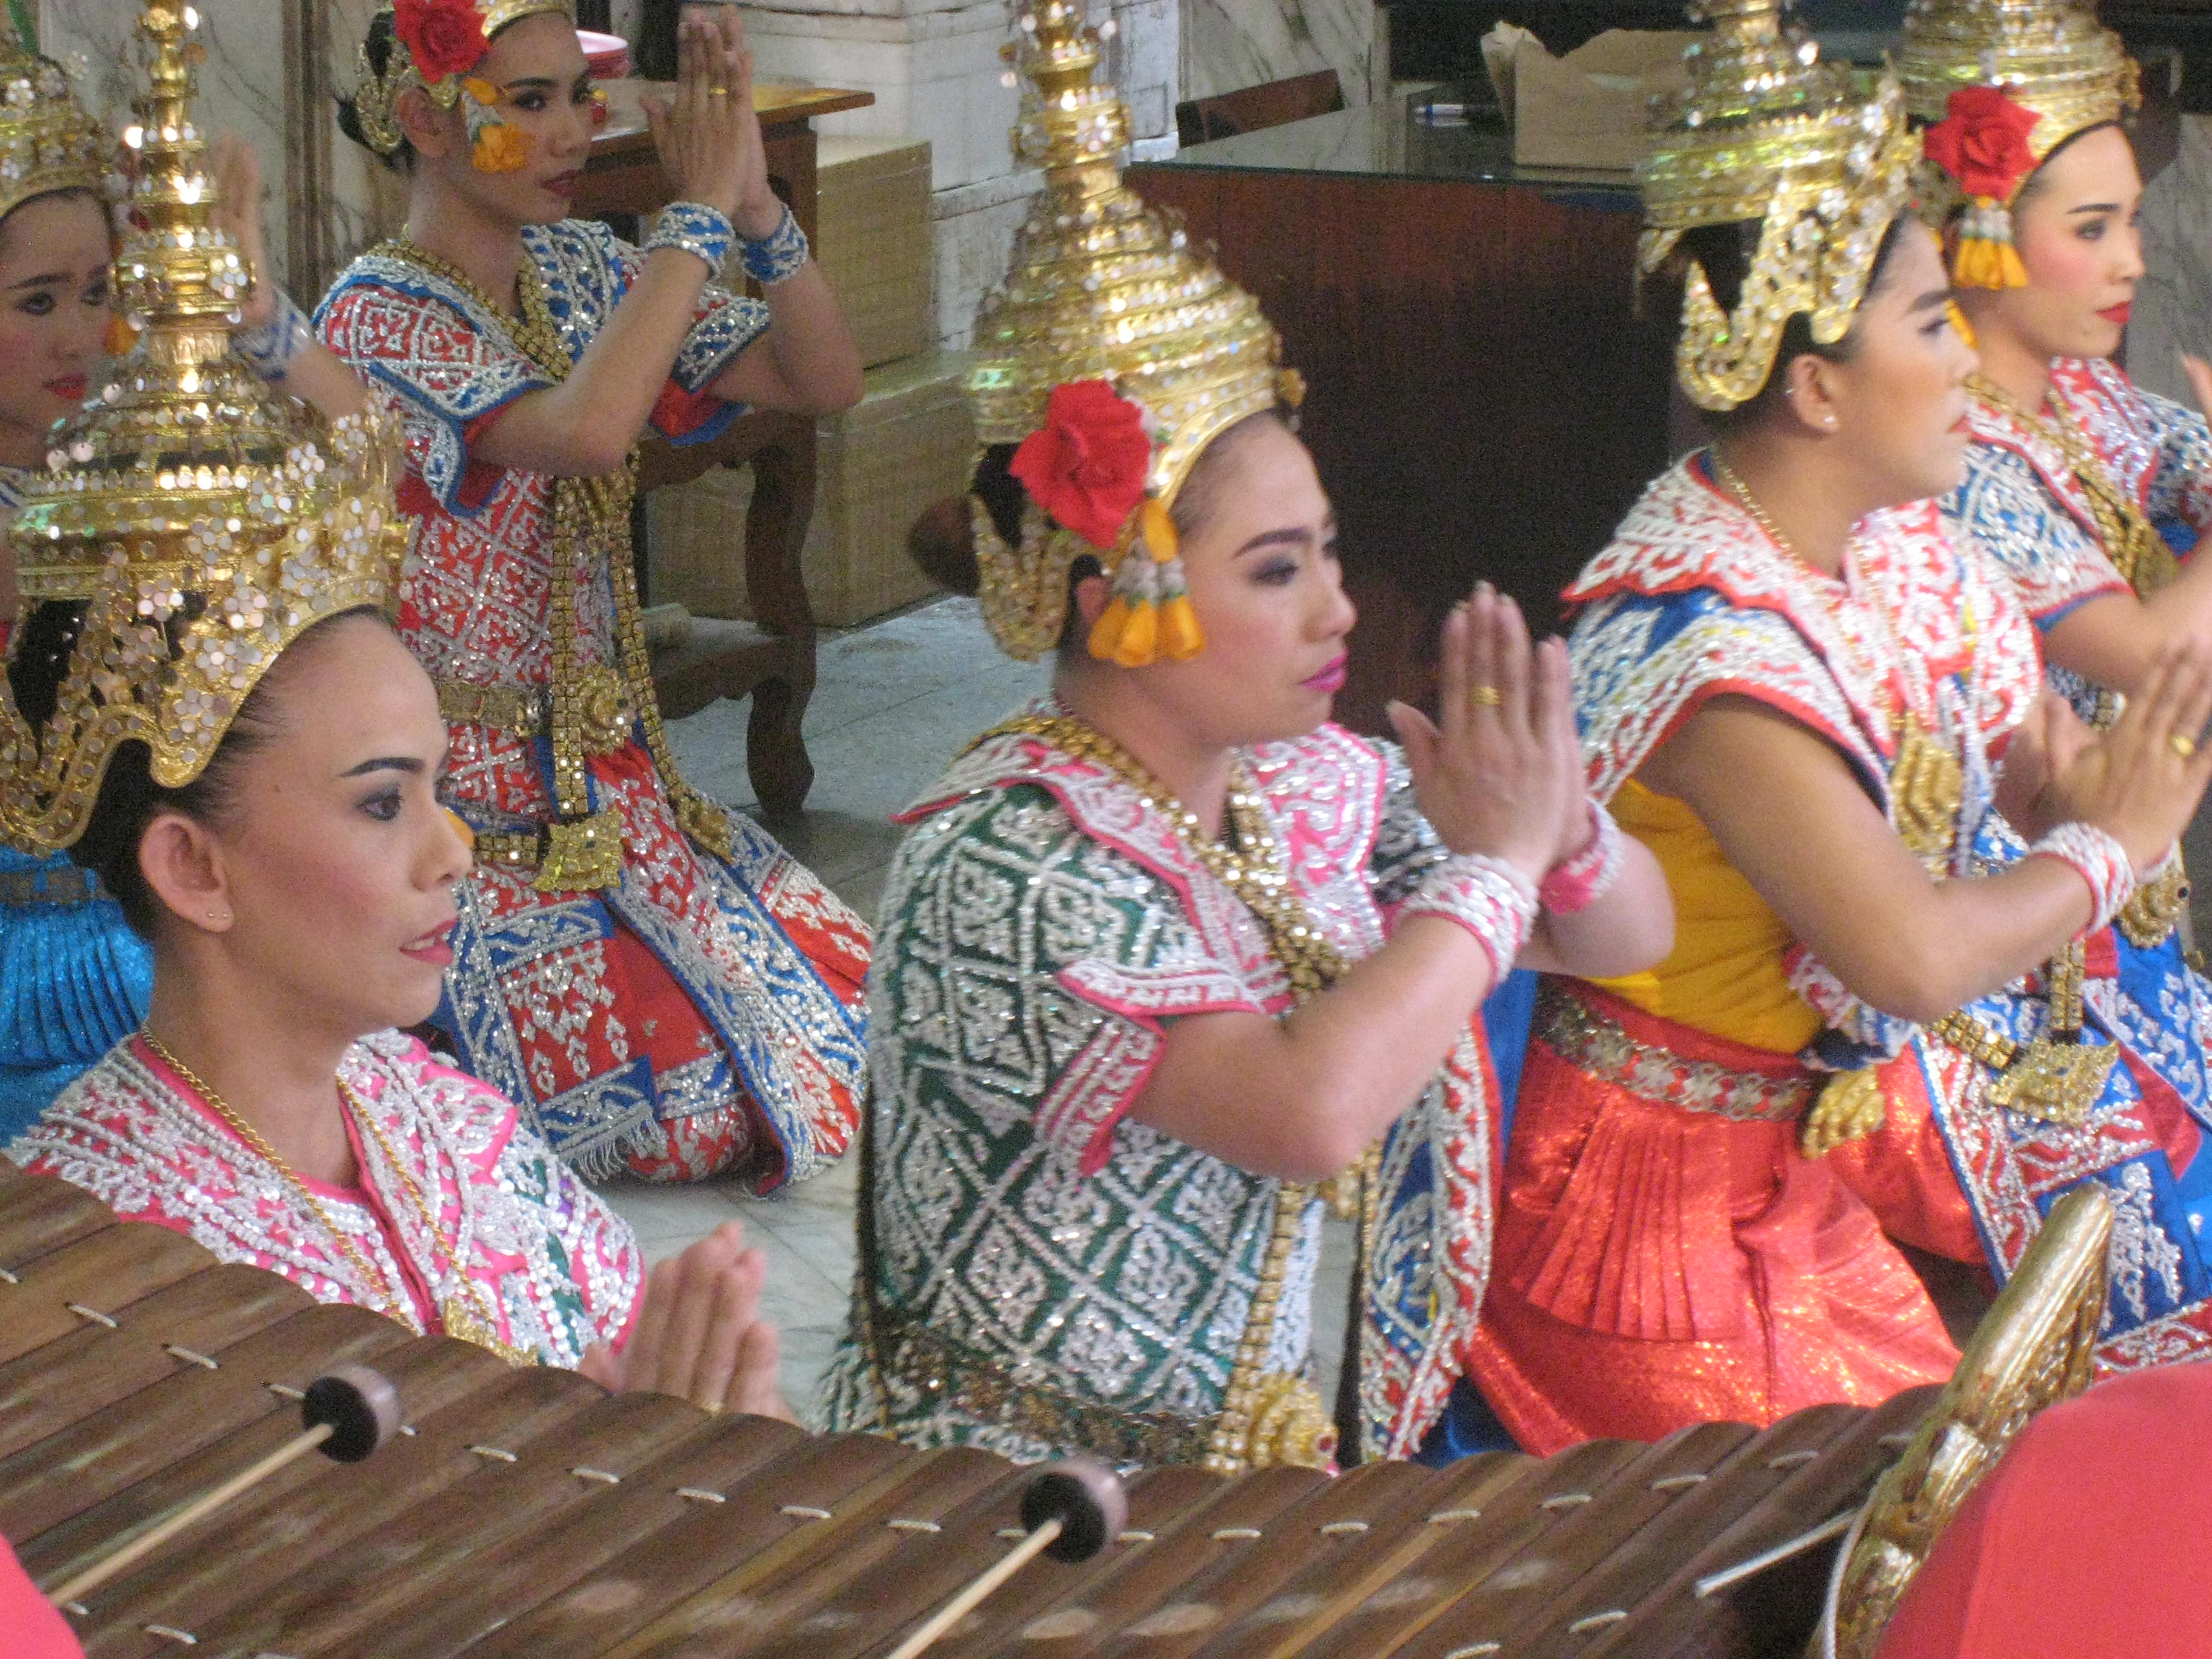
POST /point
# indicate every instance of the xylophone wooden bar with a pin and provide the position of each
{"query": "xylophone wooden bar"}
(525, 1512)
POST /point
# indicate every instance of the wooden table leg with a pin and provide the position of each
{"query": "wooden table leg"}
(775, 530)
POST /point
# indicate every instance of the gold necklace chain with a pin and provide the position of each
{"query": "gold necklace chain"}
(372, 1279)
(1252, 868)
(471, 1321)
(1266, 1416)
(1884, 680)
(477, 1321)
(2130, 541)
(589, 520)
(1732, 483)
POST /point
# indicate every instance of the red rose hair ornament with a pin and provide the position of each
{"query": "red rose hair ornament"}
(444, 37)
(1982, 146)
(1086, 464)
(1087, 467)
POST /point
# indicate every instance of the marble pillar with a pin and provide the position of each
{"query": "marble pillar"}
(319, 205)
(2173, 301)
(1230, 45)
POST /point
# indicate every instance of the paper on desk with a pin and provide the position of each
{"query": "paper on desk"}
(1587, 109)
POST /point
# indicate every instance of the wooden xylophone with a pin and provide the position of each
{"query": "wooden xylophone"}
(524, 1511)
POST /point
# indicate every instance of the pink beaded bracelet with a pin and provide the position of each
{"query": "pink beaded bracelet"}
(1574, 884)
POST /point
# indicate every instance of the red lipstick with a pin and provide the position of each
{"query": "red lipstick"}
(2117, 314)
(71, 387)
(1331, 678)
(433, 947)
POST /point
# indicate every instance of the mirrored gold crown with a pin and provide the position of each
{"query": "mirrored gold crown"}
(202, 521)
(2051, 57)
(1102, 287)
(47, 142)
(1766, 132)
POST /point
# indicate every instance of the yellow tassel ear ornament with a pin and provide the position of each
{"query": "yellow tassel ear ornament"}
(1985, 256)
(1151, 615)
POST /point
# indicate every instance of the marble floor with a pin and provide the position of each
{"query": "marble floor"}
(893, 704)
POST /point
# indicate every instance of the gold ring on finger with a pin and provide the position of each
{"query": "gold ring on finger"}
(1484, 696)
(718, 92)
(2182, 745)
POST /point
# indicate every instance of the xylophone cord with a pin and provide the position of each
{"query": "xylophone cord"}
(348, 1414)
(1072, 1509)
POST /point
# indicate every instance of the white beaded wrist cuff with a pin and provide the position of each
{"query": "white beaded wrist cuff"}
(779, 255)
(2098, 859)
(696, 229)
(269, 349)
(1489, 897)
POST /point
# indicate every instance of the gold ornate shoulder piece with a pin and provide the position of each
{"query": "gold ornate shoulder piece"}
(1766, 133)
(2032, 1349)
(1103, 296)
(202, 522)
(47, 141)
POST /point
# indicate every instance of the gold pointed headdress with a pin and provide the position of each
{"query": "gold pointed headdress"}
(1767, 133)
(1113, 355)
(2001, 84)
(47, 141)
(202, 521)
(436, 45)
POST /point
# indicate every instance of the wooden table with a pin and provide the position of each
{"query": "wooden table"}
(1483, 401)
(770, 658)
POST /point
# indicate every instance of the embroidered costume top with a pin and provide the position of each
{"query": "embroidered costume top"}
(1953, 1172)
(649, 1019)
(1666, 1252)
(74, 978)
(1047, 1276)
(1910, 646)
(2023, 505)
(560, 1270)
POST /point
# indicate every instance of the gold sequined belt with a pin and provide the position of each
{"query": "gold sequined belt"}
(63, 885)
(608, 714)
(953, 1374)
(1578, 1033)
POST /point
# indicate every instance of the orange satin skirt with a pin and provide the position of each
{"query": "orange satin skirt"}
(1658, 1266)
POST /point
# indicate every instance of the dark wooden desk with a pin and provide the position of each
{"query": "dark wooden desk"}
(1482, 402)
(771, 658)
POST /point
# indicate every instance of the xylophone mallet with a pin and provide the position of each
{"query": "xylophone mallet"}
(1072, 1509)
(347, 1413)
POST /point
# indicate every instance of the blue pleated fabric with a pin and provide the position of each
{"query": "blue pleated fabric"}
(74, 981)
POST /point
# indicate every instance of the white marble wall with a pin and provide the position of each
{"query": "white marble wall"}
(2173, 302)
(934, 68)
(1230, 45)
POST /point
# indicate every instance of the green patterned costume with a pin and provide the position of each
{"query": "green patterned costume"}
(1047, 1276)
